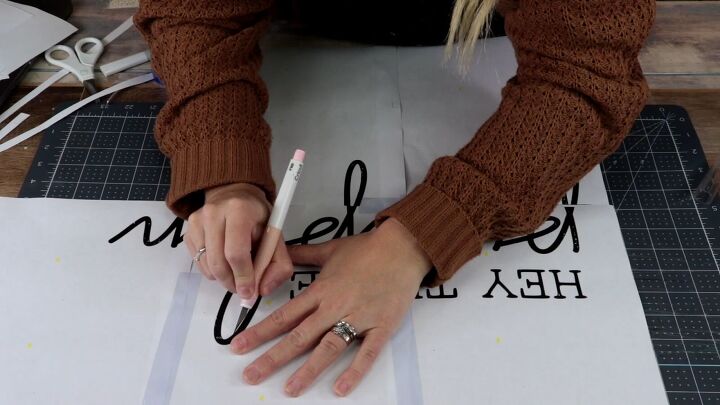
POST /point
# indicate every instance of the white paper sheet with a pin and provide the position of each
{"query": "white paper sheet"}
(340, 103)
(222, 371)
(396, 109)
(592, 189)
(83, 314)
(27, 32)
(79, 314)
(515, 351)
(11, 16)
(80, 317)
(442, 110)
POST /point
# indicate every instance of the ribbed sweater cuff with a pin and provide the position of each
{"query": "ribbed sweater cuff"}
(442, 229)
(213, 163)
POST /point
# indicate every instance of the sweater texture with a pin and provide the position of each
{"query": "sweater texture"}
(576, 92)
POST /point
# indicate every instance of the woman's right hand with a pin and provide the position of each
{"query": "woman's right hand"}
(229, 226)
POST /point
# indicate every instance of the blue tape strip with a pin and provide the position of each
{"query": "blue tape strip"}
(405, 361)
(172, 340)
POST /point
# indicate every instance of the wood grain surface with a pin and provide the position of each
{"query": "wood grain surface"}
(683, 50)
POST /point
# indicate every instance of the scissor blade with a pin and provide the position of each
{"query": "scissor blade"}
(90, 87)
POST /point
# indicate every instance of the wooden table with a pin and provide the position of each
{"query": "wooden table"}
(681, 60)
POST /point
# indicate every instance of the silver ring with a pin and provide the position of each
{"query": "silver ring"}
(346, 331)
(199, 254)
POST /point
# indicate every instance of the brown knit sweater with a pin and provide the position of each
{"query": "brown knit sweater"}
(577, 90)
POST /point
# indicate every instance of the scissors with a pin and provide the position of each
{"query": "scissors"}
(79, 62)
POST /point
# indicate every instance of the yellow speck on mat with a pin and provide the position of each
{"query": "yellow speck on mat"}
(485, 253)
(262, 397)
(57, 259)
(498, 340)
(29, 345)
(268, 302)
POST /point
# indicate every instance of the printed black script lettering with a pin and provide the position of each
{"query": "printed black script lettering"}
(568, 224)
(242, 322)
(315, 230)
(574, 194)
(175, 228)
(534, 282)
(346, 226)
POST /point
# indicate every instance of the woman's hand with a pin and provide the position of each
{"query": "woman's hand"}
(228, 226)
(367, 280)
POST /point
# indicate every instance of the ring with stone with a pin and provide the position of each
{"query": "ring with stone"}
(347, 332)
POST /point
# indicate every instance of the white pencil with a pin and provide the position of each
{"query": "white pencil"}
(273, 232)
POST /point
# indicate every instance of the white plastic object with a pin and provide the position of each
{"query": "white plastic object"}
(69, 61)
(125, 63)
(71, 109)
(91, 55)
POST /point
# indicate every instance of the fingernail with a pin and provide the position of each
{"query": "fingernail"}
(245, 292)
(342, 388)
(251, 375)
(239, 344)
(294, 388)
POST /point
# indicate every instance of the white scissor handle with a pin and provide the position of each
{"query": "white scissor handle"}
(69, 62)
(91, 55)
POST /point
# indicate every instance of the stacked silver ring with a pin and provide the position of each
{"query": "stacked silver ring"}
(199, 254)
(346, 331)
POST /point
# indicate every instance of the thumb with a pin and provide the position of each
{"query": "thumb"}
(312, 255)
(279, 270)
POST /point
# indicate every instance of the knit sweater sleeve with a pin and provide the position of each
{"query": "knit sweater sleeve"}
(212, 128)
(577, 90)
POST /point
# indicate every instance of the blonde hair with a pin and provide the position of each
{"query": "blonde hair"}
(470, 19)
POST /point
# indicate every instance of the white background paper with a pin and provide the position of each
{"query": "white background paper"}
(339, 103)
(81, 318)
(84, 328)
(442, 110)
(94, 319)
(515, 351)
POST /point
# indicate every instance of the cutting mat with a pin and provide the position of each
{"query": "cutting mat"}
(671, 241)
(102, 152)
(108, 152)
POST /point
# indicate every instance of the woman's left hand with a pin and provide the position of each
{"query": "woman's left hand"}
(367, 280)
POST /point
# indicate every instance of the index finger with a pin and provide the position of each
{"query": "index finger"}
(238, 245)
(278, 322)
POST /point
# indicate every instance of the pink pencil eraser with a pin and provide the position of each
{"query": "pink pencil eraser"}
(299, 155)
